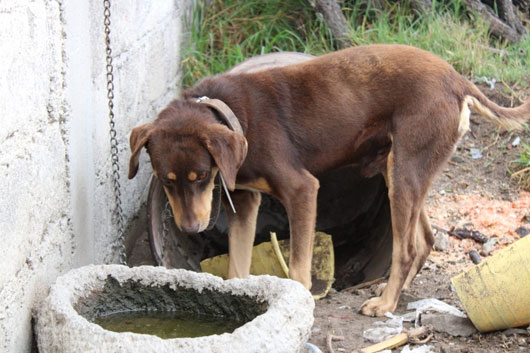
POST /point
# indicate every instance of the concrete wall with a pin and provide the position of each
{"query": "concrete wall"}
(57, 200)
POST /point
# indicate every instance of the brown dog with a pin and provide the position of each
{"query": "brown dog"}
(391, 109)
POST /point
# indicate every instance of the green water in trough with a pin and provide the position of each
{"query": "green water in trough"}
(167, 311)
(167, 324)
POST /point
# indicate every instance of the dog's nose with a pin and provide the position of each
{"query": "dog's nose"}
(191, 229)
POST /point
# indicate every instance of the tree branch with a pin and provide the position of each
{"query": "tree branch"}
(421, 6)
(497, 27)
(507, 13)
(335, 20)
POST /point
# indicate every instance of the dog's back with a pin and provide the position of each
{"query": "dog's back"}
(354, 96)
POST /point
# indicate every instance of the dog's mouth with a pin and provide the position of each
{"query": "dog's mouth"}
(215, 207)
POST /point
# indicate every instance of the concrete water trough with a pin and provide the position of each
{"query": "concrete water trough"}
(276, 314)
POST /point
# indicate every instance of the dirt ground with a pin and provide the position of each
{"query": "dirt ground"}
(473, 191)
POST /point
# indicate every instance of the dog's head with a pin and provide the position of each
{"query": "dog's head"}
(188, 147)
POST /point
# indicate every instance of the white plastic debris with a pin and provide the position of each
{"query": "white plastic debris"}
(435, 305)
(417, 349)
(431, 265)
(384, 330)
(409, 317)
(488, 246)
(490, 82)
(475, 153)
(311, 348)
(516, 141)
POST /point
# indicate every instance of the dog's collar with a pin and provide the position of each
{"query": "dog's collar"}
(230, 119)
(225, 112)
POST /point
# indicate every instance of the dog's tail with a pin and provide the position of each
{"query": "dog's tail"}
(508, 118)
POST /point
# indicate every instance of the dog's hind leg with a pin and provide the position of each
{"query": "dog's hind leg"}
(404, 201)
(241, 231)
(424, 242)
(416, 156)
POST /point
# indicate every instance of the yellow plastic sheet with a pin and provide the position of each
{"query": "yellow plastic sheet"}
(265, 261)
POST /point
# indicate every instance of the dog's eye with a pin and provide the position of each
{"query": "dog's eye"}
(202, 176)
(197, 177)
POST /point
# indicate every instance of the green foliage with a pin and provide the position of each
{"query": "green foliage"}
(524, 157)
(448, 33)
(229, 31)
(226, 32)
(522, 169)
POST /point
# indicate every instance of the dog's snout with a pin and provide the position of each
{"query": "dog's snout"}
(191, 228)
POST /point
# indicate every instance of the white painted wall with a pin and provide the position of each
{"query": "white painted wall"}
(56, 199)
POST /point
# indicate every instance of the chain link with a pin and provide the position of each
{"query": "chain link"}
(118, 212)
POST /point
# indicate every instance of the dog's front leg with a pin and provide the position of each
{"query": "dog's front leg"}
(300, 201)
(241, 231)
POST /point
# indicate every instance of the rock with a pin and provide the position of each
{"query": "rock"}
(475, 257)
(457, 159)
(516, 331)
(450, 324)
(441, 241)
(522, 231)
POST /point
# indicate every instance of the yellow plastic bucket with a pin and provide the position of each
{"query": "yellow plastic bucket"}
(496, 293)
(266, 260)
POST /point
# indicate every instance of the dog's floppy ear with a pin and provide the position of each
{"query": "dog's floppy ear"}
(139, 137)
(228, 149)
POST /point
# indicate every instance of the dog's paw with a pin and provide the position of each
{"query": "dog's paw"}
(379, 289)
(376, 307)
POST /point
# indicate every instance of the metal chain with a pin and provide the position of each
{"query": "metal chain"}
(167, 216)
(118, 212)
